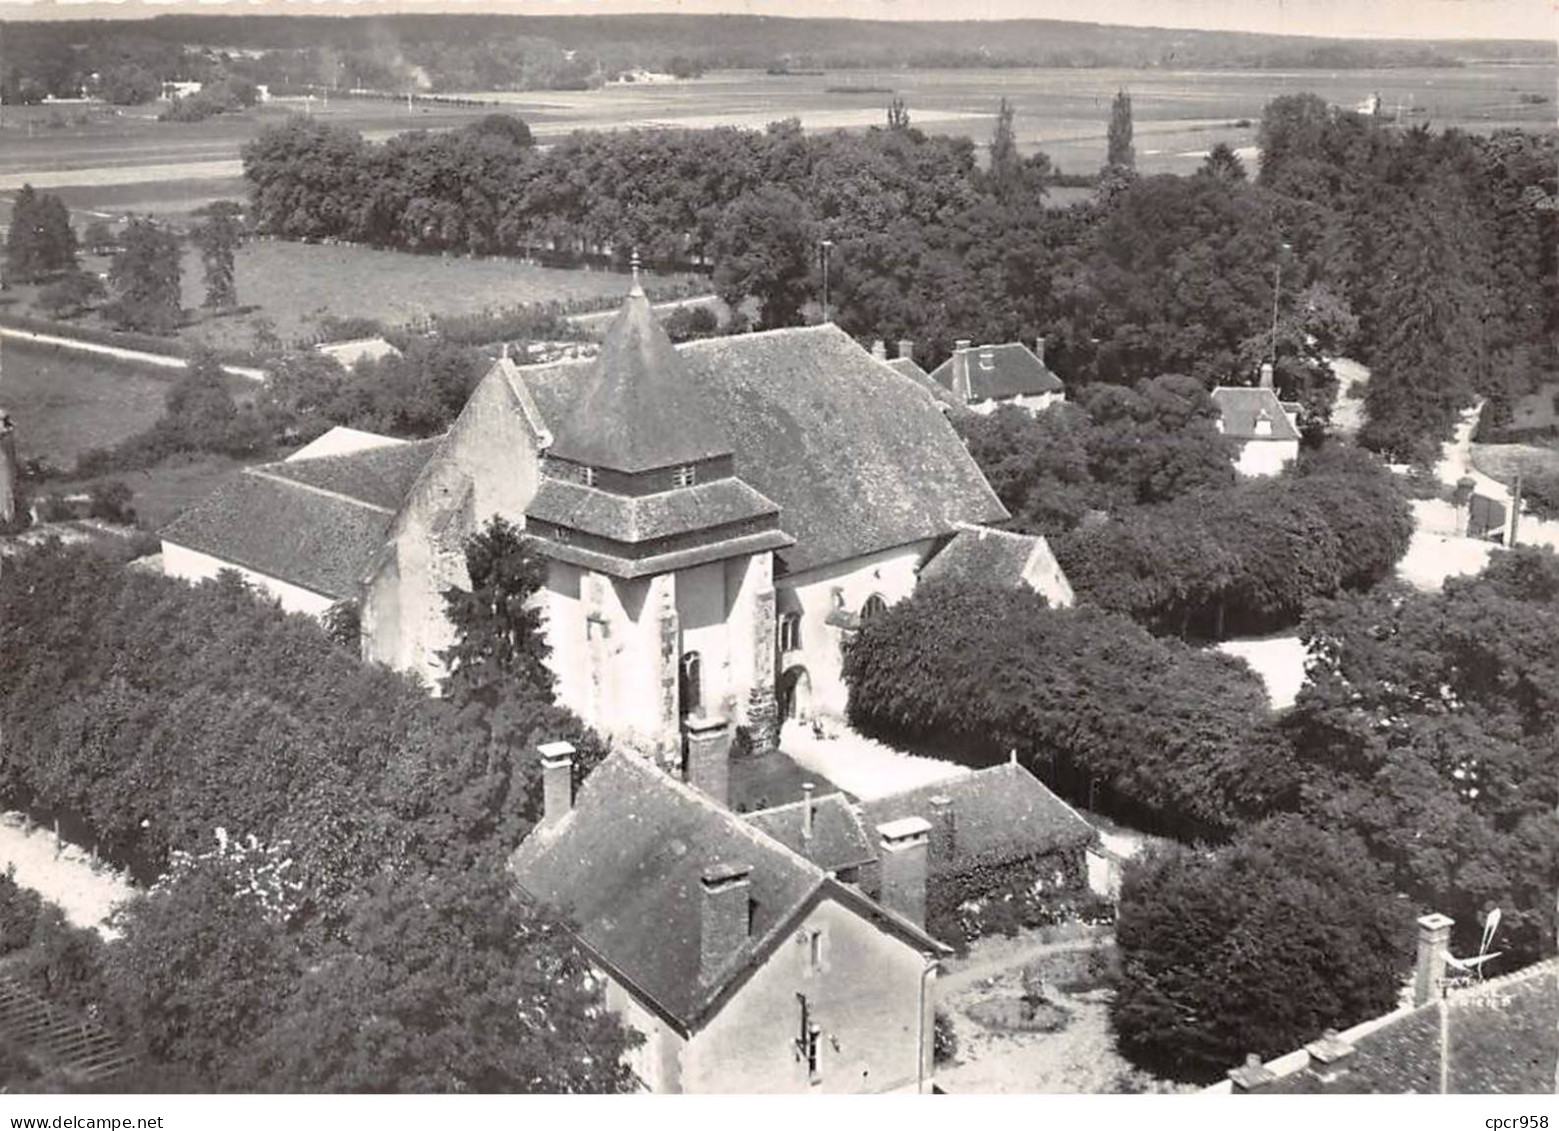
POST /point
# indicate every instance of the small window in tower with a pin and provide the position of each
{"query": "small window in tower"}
(875, 606)
(587, 476)
(686, 475)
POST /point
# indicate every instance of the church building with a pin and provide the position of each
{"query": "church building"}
(718, 519)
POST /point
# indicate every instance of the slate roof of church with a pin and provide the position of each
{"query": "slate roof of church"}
(1014, 371)
(643, 518)
(378, 476)
(1000, 813)
(637, 410)
(983, 555)
(856, 456)
(1240, 408)
(625, 866)
(1500, 1039)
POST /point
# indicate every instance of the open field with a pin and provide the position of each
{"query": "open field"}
(64, 402)
(1178, 115)
(161, 493)
(296, 285)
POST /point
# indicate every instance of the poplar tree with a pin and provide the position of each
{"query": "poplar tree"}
(1121, 154)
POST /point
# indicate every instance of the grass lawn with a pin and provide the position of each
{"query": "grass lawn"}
(162, 492)
(64, 402)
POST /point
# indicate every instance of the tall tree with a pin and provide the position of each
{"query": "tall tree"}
(1120, 153)
(41, 241)
(218, 235)
(763, 250)
(1006, 166)
(499, 636)
(1255, 948)
(1223, 164)
(145, 278)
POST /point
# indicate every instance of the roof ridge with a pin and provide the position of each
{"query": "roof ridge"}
(1532, 970)
(776, 331)
(259, 471)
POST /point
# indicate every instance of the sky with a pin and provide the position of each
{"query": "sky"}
(1416, 19)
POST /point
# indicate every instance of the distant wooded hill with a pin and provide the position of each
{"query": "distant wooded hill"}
(495, 51)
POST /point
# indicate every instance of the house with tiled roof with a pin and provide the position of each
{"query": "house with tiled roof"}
(718, 518)
(746, 965)
(1266, 428)
(984, 378)
(350, 351)
(1483, 1036)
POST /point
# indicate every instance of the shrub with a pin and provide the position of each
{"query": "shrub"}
(1255, 948)
(944, 1039)
(1541, 495)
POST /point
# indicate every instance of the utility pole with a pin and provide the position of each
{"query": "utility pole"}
(1515, 509)
(825, 247)
(1277, 289)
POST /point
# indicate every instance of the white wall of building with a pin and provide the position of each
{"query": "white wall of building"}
(1033, 404)
(1266, 457)
(889, 574)
(192, 565)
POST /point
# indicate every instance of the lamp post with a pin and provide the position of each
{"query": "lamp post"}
(824, 248)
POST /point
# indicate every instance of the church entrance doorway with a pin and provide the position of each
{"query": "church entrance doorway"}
(795, 694)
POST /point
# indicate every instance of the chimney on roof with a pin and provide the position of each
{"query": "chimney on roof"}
(708, 766)
(987, 358)
(907, 349)
(1328, 1056)
(806, 810)
(961, 387)
(1266, 375)
(944, 829)
(1039, 348)
(1434, 937)
(903, 862)
(557, 781)
(1251, 1075)
(723, 916)
(879, 350)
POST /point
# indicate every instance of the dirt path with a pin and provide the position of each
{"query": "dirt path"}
(62, 874)
(163, 360)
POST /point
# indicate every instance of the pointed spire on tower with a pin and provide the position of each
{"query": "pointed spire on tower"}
(638, 288)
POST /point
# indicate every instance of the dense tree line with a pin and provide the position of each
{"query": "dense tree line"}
(1430, 255)
(1246, 559)
(329, 839)
(1165, 733)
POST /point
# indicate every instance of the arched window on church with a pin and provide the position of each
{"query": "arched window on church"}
(875, 606)
(691, 689)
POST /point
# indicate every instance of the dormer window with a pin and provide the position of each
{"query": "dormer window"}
(1263, 424)
(685, 476)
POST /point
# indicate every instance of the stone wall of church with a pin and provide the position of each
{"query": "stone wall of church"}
(846, 586)
(488, 464)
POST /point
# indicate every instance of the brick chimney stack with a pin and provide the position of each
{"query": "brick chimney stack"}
(709, 756)
(903, 862)
(961, 387)
(1266, 375)
(557, 781)
(723, 926)
(1434, 938)
(806, 810)
(907, 349)
(879, 350)
(1039, 348)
